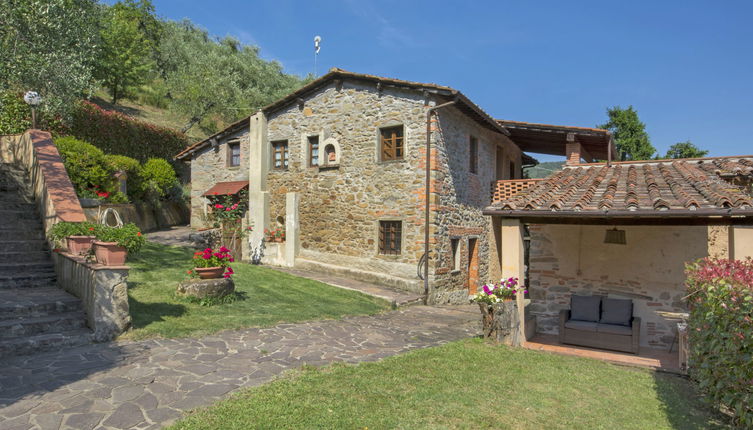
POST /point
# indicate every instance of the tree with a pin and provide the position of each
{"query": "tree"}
(629, 133)
(49, 46)
(209, 79)
(685, 150)
(130, 33)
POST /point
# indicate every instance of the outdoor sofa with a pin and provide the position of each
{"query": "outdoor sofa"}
(600, 322)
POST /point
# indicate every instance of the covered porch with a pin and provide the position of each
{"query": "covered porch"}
(623, 231)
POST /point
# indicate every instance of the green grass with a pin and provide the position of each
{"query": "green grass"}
(268, 297)
(467, 384)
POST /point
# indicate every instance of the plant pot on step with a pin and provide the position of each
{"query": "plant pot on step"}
(110, 253)
(79, 245)
(210, 272)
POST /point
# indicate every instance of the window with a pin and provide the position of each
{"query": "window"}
(512, 170)
(390, 233)
(280, 154)
(313, 151)
(455, 247)
(233, 154)
(473, 162)
(391, 143)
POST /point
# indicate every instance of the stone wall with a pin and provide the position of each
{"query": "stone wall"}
(461, 196)
(649, 269)
(340, 207)
(209, 166)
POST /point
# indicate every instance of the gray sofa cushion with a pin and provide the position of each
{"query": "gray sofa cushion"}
(614, 329)
(616, 311)
(581, 325)
(585, 308)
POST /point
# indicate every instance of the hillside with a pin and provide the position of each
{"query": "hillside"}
(542, 170)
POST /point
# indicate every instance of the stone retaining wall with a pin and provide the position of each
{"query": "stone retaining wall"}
(102, 289)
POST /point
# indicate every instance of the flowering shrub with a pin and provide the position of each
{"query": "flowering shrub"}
(61, 230)
(129, 236)
(212, 258)
(505, 289)
(116, 133)
(720, 298)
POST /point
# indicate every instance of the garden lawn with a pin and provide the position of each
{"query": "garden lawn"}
(268, 297)
(467, 384)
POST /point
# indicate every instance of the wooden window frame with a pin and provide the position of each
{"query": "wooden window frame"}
(473, 155)
(397, 143)
(280, 147)
(310, 142)
(390, 237)
(230, 146)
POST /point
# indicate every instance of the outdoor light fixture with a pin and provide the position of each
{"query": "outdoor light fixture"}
(33, 99)
(615, 236)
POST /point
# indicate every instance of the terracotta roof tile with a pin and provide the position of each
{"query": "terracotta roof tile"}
(226, 188)
(645, 187)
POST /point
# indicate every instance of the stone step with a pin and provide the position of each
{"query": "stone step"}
(10, 194)
(44, 342)
(23, 246)
(28, 280)
(24, 268)
(13, 211)
(31, 224)
(58, 322)
(26, 257)
(36, 302)
(385, 279)
(18, 234)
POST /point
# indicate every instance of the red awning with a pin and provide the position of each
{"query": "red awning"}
(226, 188)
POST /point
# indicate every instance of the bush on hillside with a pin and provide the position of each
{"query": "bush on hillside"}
(117, 133)
(158, 178)
(86, 165)
(720, 297)
(132, 168)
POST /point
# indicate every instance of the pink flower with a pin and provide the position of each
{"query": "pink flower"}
(218, 206)
(223, 249)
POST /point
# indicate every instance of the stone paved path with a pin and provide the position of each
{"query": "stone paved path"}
(150, 384)
(176, 236)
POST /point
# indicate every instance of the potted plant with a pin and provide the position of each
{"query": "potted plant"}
(211, 264)
(492, 301)
(113, 244)
(78, 236)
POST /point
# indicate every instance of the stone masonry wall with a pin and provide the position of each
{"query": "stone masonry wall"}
(340, 207)
(649, 270)
(208, 167)
(461, 196)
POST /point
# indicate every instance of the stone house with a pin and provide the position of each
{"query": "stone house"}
(342, 162)
(622, 230)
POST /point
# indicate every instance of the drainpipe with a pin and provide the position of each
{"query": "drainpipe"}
(429, 112)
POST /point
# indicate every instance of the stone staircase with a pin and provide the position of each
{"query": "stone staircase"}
(35, 315)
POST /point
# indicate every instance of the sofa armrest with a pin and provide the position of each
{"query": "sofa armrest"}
(636, 338)
(564, 317)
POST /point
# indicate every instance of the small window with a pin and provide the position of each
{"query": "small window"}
(313, 151)
(512, 170)
(455, 247)
(392, 145)
(280, 154)
(390, 233)
(233, 154)
(473, 162)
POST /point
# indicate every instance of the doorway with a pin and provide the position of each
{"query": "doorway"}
(472, 265)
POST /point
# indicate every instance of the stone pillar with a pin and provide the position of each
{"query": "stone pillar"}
(719, 241)
(258, 197)
(513, 265)
(575, 151)
(292, 228)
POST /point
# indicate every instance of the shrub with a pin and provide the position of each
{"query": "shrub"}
(157, 178)
(720, 297)
(129, 236)
(132, 168)
(61, 230)
(117, 133)
(15, 115)
(86, 165)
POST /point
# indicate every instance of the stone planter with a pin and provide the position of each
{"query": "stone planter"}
(202, 288)
(500, 322)
(89, 203)
(110, 253)
(79, 244)
(210, 272)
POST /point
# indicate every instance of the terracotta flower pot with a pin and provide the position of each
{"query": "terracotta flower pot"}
(210, 272)
(279, 239)
(110, 254)
(79, 244)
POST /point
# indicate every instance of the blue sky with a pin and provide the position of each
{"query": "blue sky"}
(686, 66)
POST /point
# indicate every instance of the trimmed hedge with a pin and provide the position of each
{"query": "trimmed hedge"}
(720, 297)
(86, 165)
(116, 133)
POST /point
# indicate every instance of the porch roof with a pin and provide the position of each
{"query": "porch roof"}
(226, 188)
(684, 188)
(552, 139)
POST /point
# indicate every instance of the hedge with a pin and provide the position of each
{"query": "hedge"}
(720, 298)
(117, 133)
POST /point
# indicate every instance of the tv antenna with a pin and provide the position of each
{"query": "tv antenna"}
(317, 47)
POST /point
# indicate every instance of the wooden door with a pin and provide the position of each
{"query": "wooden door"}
(472, 265)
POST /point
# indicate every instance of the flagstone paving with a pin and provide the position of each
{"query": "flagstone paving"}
(149, 384)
